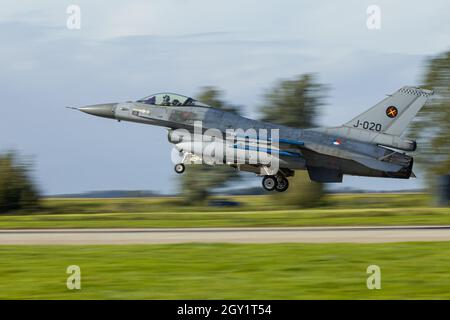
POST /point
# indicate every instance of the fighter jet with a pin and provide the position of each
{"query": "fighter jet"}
(370, 144)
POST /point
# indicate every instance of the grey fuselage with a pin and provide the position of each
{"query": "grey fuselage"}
(327, 153)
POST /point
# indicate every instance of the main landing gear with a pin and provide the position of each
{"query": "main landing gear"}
(279, 183)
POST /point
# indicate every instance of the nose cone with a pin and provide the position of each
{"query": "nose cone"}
(100, 110)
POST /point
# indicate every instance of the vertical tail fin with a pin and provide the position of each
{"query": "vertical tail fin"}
(393, 114)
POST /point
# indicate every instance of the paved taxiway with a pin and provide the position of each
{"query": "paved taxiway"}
(227, 235)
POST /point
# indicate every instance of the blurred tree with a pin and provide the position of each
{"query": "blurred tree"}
(17, 190)
(199, 180)
(295, 103)
(431, 127)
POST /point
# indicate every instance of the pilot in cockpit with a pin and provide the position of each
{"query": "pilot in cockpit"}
(166, 100)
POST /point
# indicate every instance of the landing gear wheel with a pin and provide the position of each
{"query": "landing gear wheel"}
(179, 168)
(269, 183)
(282, 184)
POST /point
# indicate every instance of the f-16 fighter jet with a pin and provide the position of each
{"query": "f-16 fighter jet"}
(370, 144)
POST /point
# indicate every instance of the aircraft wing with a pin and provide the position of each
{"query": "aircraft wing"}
(289, 147)
(370, 162)
(281, 141)
(269, 150)
(286, 147)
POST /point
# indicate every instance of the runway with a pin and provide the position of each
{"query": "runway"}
(380, 234)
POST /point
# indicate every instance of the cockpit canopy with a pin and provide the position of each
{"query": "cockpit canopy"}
(171, 99)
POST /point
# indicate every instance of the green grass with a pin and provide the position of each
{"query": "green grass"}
(225, 271)
(255, 211)
(281, 218)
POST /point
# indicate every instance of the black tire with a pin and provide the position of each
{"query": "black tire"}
(282, 184)
(269, 183)
(179, 168)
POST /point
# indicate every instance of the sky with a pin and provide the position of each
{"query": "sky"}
(125, 50)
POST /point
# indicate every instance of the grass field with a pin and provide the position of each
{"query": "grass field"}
(219, 271)
(226, 271)
(281, 218)
(254, 211)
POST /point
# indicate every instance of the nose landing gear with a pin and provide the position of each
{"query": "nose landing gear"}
(179, 168)
(279, 183)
